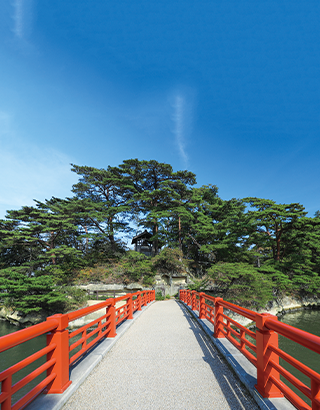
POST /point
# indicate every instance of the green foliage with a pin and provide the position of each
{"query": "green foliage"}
(134, 267)
(169, 261)
(241, 284)
(75, 297)
(199, 284)
(97, 273)
(159, 296)
(47, 247)
(168, 296)
(157, 193)
(30, 294)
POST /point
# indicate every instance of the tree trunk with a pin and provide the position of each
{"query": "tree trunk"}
(180, 242)
(111, 235)
(155, 241)
(87, 239)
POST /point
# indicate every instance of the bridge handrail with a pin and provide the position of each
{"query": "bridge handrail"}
(57, 351)
(265, 353)
(23, 335)
(302, 337)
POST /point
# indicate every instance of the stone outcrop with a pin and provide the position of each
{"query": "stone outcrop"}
(280, 307)
(18, 319)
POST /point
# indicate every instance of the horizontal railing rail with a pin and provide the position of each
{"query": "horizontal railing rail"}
(262, 349)
(62, 350)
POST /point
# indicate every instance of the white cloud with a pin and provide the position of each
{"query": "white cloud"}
(183, 111)
(178, 118)
(22, 18)
(29, 172)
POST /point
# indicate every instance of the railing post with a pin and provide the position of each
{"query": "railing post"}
(202, 309)
(265, 338)
(188, 301)
(154, 295)
(130, 307)
(144, 299)
(112, 317)
(6, 388)
(218, 319)
(315, 389)
(139, 300)
(184, 295)
(59, 337)
(193, 300)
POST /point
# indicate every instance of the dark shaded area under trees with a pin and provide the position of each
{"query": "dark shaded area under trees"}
(252, 249)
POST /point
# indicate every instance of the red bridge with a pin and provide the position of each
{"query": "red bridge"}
(188, 333)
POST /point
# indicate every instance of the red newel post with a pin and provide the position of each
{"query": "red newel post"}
(315, 391)
(6, 388)
(130, 307)
(112, 317)
(185, 296)
(218, 319)
(188, 297)
(60, 337)
(264, 339)
(193, 300)
(139, 300)
(202, 309)
(154, 294)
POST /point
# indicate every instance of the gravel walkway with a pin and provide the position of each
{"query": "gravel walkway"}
(163, 361)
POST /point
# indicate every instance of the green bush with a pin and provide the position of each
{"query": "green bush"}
(241, 283)
(159, 296)
(169, 260)
(135, 267)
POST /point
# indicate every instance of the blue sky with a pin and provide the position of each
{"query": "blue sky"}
(229, 90)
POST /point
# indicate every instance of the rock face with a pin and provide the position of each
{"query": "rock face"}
(171, 284)
(280, 307)
(167, 284)
(18, 319)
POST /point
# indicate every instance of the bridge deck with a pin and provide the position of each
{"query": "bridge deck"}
(163, 361)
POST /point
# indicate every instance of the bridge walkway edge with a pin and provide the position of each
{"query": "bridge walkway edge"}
(242, 367)
(81, 370)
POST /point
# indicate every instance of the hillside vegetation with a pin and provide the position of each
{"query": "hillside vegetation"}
(250, 249)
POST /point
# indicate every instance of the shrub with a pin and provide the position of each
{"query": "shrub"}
(169, 260)
(159, 296)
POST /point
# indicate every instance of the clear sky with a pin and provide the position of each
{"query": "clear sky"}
(227, 89)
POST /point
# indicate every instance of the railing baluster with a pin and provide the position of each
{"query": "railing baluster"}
(265, 338)
(6, 387)
(202, 309)
(60, 337)
(130, 307)
(193, 300)
(315, 393)
(218, 319)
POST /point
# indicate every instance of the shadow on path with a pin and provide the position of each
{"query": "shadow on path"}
(234, 391)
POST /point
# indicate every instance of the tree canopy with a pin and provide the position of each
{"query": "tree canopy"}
(237, 243)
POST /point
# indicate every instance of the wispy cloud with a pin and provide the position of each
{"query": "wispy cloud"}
(22, 18)
(183, 106)
(179, 130)
(28, 171)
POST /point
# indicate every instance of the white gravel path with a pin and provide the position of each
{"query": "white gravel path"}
(163, 361)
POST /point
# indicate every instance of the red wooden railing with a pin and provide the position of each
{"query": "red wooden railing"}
(263, 351)
(57, 353)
